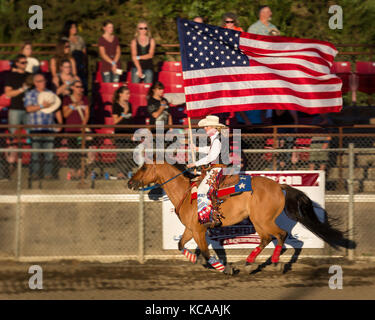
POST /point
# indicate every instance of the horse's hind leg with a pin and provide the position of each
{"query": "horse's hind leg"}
(265, 239)
(186, 236)
(280, 235)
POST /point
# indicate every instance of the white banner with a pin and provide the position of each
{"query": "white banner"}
(243, 235)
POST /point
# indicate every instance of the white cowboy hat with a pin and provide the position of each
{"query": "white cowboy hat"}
(50, 97)
(210, 121)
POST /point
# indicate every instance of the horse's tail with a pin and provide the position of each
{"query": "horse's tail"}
(299, 207)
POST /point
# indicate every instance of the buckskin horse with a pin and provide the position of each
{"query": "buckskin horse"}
(263, 205)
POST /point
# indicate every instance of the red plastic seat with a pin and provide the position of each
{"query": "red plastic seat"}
(108, 120)
(44, 66)
(108, 157)
(109, 87)
(139, 88)
(174, 66)
(269, 146)
(169, 78)
(5, 65)
(105, 131)
(343, 70)
(26, 156)
(303, 143)
(137, 100)
(174, 88)
(365, 71)
(341, 67)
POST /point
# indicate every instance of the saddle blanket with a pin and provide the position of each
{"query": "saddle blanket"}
(243, 185)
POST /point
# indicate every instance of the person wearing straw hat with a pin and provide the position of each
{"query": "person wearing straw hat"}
(212, 127)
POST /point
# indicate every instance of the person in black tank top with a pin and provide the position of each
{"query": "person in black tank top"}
(142, 51)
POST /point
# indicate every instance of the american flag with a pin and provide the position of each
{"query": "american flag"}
(226, 71)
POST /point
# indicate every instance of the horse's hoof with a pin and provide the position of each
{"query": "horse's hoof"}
(229, 270)
(250, 267)
(278, 266)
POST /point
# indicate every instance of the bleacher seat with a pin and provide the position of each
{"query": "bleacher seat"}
(303, 143)
(172, 66)
(108, 157)
(137, 100)
(365, 71)
(44, 66)
(109, 88)
(139, 88)
(170, 77)
(269, 145)
(174, 88)
(343, 70)
(5, 65)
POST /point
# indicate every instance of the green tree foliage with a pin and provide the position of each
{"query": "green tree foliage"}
(294, 18)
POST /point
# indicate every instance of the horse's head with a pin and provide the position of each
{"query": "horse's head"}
(143, 177)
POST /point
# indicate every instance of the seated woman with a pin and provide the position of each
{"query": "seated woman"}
(157, 105)
(64, 79)
(122, 115)
(75, 111)
(122, 109)
(62, 53)
(142, 51)
(33, 63)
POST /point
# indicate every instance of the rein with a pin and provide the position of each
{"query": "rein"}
(159, 185)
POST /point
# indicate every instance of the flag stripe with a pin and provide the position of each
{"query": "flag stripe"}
(265, 78)
(261, 106)
(247, 73)
(261, 84)
(261, 91)
(267, 98)
(287, 43)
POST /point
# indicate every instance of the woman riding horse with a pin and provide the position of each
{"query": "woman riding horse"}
(212, 126)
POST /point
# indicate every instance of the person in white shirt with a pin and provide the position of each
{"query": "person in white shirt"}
(212, 126)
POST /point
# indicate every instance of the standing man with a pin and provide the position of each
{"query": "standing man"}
(263, 26)
(41, 113)
(15, 87)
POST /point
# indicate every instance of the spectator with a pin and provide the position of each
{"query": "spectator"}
(75, 111)
(77, 49)
(64, 79)
(42, 113)
(33, 64)
(229, 21)
(157, 105)
(110, 52)
(15, 87)
(122, 114)
(319, 160)
(122, 109)
(198, 19)
(263, 26)
(62, 53)
(142, 51)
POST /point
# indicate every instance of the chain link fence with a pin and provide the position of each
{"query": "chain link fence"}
(61, 201)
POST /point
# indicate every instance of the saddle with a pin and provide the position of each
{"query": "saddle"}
(227, 186)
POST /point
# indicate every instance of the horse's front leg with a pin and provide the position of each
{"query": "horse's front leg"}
(200, 239)
(186, 237)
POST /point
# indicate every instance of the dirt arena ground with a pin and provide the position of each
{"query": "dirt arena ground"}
(179, 280)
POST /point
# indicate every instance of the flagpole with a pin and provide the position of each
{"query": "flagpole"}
(191, 138)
